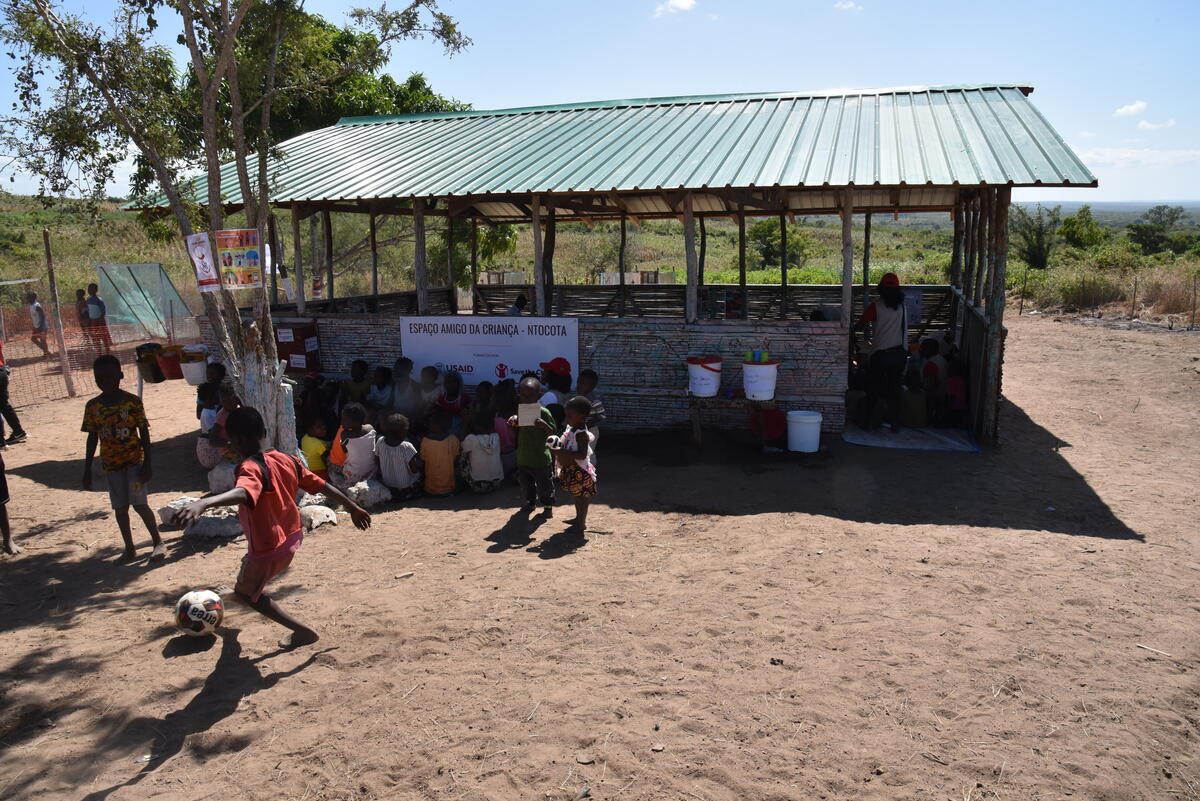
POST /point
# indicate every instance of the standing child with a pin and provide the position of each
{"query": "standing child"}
(357, 439)
(482, 467)
(265, 489)
(439, 450)
(10, 547)
(208, 394)
(573, 463)
(533, 454)
(315, 447)
(399, 464)
(586, 386)
(116, 420)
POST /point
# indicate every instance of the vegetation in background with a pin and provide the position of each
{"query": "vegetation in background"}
(1033, 235)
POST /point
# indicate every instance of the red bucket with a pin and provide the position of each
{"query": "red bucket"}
(168, 362)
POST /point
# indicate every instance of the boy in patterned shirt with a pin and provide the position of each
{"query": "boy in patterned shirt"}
(116, 420)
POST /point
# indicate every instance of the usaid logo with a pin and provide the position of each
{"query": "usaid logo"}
(458, 368)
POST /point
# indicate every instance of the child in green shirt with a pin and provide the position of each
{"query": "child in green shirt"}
(534, 460)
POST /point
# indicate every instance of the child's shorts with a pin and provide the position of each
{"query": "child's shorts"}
(259, 568)
(577, 481)
(126, 488)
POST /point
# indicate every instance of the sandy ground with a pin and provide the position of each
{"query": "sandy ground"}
(858, 624)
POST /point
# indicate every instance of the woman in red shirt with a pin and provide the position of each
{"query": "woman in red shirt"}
(265, 489)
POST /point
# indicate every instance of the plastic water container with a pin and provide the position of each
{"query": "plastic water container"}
(195, 373)
(704, 375)
(804, 431)
(758, 379)
(168, 362)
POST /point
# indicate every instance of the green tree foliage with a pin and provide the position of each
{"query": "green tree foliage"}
(1156, 233)
(1082, 231)
(1166, 217)
(1033, 237)
(763, 237)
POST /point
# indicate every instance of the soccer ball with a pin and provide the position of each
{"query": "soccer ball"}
(199, 612)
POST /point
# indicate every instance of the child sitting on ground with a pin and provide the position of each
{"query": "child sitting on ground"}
(266, 488)
(453, 400)
(933, 379)
(533, 453)
(439, 451)
(406, 393)
(315, 447)
(116, 420)
(573, 465)
(358, 446)
(219, 446)
(399, 464)
(430, 385)
(379, 396)
(355, 388)
(586, 386)
(481, 465)
(208, 394)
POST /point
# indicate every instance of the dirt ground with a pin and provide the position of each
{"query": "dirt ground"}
(858, 624)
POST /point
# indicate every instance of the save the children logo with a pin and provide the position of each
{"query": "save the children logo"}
(501, 370)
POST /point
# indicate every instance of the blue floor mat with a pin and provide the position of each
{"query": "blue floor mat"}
(913, 439)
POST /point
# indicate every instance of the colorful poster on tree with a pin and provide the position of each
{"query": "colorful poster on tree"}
(240, 258)
(200, 252)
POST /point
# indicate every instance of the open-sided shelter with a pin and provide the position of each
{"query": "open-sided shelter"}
(953, 149)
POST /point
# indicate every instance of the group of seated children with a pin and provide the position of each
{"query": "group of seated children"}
(429, 436)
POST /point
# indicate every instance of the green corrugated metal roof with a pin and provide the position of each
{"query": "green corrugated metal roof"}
(910, 136)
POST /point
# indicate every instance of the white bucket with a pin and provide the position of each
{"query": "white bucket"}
(704, 376)
(195, 373)
(804, 431)
(758, 379)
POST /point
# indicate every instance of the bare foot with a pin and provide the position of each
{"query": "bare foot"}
(159, 552)
(11, 549)
(298, 639)
(127, 556)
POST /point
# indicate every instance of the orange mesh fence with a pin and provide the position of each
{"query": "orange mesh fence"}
(36, 373)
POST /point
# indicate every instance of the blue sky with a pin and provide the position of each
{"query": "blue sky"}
(1117, 79)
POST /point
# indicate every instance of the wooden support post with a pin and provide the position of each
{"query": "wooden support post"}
(621, 272)
(298, 255)
(1133, 303)
(989, 425)
(742, 259)
(783, 267)
(981, 232)
(956, 258)
(449, 251)
(539, 278)
(420, 278)
(847, 257)
(548, 258)
(373, 234)
(314, 251)
(692, 295)
(474, 262)
(866, 292)
(56, 318)
(327, 227)
(703, 252)
(276, 257)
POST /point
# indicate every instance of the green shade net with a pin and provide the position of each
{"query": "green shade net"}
(142, 295)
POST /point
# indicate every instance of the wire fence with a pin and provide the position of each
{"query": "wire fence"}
(36, 372)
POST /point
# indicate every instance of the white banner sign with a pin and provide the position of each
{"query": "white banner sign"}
(489, 348)
(202, 260)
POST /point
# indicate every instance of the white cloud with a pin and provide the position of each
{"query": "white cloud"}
(1146, 125)
(1132, 110)
(673, 6)
(713, 17)
(1087, 134)
(1138, 157)
(847, 5)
